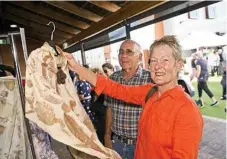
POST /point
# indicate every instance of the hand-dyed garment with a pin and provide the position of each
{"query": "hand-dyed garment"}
(14, 143)
(56, 107)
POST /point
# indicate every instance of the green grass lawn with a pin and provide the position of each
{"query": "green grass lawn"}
(217, 111)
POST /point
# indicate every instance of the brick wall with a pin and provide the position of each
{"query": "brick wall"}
(7, 58)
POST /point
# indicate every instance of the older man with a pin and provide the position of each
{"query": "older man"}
(122, 117)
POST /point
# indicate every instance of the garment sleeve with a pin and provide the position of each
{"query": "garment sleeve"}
(130, 94)
(187, 132)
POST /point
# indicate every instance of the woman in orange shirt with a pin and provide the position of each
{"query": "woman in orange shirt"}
(170, 126)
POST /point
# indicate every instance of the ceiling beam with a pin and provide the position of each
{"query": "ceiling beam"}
(129, 10)
(69, 7)
(39, 19)
(111, 7)
(33, 39)
(36, 26)
(37, 8)
(43, 35)
(40, 37)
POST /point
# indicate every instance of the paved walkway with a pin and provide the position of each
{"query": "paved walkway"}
(213, 145)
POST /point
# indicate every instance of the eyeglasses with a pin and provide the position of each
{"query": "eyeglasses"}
(128, 52)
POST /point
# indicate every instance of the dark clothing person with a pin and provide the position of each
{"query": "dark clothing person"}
(204, 71)
(99, 110)
(202, 79)
(202, 85)
(186, 87)
(202, 82)
(223, 83)
(221, 57)
(193, 65)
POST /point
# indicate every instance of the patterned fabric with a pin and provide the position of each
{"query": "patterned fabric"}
(41, 142)
(84, 92)
(56, 108)
(125, 116)
(14, 143)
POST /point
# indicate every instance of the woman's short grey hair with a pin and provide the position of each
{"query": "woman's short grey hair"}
(172, 42)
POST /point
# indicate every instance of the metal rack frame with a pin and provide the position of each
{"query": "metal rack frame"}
(18, 75)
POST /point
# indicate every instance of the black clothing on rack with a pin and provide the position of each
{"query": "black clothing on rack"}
(4, 68)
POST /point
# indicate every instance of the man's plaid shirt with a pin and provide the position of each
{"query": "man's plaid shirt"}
(125, 116)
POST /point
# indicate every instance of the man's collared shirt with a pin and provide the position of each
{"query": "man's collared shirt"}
(125, 116)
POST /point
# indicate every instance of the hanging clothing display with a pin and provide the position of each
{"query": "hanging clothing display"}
(41, 142)
(53, 104)
(14, 143)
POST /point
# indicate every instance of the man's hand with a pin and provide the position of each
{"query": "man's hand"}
(107, 140)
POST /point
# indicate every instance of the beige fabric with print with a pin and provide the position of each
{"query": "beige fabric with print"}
(14, 143)
(56, 107)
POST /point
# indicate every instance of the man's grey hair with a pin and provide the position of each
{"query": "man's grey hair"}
(137, 46)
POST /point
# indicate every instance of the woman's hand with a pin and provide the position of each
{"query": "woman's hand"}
(71, 61)
(84, 73)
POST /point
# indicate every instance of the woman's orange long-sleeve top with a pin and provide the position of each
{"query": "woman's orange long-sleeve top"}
(170, 126)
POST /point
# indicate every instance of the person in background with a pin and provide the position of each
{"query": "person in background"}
(221, 63)
(170, 125)
(202, 76)
(108, 69)
(223, 82)
(84, 91)
(214, 62)
(122, 117)
(193, 62)
(186, 83)
(99, 110)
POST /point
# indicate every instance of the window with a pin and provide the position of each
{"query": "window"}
(210, 12)
(193, 14)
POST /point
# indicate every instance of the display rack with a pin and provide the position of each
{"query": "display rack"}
(11, 36)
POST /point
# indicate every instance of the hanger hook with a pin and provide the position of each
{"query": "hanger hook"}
(52, 34)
